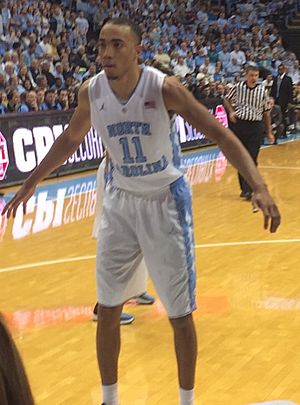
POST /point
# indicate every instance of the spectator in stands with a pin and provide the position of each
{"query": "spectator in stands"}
(232, 69)
(212, 89)
(190, 82)
(203, 76)
(72, 99)
(2, 82)
(44, 46)
(3, 108)
(209, 66)
(69, 22)
(58, 84)
(183, 49)
(25, 74)
(91, 72)
(40, 97)
(212, 54)
(162, 57)
(53, 49)
(27, 85)
(36, 16)
(276, 119)
(200, 57)
(220, 90)
(78, 72)
(58, 72)
(58, 20)
(181, 68)
(294, 72)
(50, 101)
(45, 23)
(45, 70)
(34, 70)
(14, 101)
(14, 84)
(190, 61)
(294, 110)
(41, 82)
(63, 99)
(83, 27)
(9, 71)
(238, 55)
(79, 59)
(268, 83)
(28, 102)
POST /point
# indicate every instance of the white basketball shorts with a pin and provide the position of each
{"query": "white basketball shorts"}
(141, 271)
(160, 228)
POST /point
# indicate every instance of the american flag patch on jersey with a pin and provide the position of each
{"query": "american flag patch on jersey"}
(149, 104)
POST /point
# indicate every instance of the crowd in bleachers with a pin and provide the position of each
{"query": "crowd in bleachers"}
(47, 49)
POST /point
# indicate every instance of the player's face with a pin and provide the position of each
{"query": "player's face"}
(252, 77)
(118, 50)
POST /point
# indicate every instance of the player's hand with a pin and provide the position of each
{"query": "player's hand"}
(22, 196)
(265, 203)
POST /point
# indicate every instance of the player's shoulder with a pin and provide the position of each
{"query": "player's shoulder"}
(172, 83)
(92, 88)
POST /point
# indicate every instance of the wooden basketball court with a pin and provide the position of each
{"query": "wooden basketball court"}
(248, 317)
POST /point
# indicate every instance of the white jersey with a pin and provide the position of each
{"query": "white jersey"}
(139, 135)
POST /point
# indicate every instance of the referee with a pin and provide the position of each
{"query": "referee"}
(249, 115)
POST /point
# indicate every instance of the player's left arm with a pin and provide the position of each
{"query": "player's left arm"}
(178, 99)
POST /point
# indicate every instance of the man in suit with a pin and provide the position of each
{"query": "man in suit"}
(282, 92)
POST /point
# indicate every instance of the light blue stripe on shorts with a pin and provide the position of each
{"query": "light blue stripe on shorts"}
(182, 195)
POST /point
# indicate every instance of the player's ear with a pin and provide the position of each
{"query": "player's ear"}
(138, 49)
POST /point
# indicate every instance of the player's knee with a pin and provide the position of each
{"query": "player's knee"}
(182, 323)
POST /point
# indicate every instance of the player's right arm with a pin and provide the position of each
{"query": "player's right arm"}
(64, 146)
(178, 99)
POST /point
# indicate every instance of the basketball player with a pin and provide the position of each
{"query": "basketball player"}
(147, 207)
(144, 298)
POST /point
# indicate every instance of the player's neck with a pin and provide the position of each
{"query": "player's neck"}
(125, 86)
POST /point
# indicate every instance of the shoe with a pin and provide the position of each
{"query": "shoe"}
(246, 194)
(144, 299)
(125, 318)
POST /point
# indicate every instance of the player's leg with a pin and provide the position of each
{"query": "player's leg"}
(185, 341)
(118, 256)
(108, 350)
(168, 247)
(108, 344)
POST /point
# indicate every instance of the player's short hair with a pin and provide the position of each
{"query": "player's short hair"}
(129, 23)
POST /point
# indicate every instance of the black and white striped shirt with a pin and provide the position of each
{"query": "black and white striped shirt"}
(249, 103)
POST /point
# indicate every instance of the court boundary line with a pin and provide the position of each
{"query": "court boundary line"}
(91, 257)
